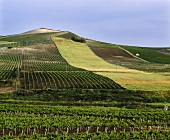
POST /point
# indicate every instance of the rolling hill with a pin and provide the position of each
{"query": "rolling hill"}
(58, 85)
(44, 59)
(34, 63)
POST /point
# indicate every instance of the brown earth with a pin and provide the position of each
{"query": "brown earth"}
(115, 55)
(112, 53)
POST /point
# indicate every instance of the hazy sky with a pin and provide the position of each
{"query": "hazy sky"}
(130, 22)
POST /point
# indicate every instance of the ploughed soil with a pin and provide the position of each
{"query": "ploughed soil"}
(122, 58)
(116, 55)
(109, 54)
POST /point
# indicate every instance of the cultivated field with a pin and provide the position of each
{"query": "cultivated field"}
(149, 59)
(38, 65)
(128, 78)
(142, 81)
(57, 85)
(62, 122)
(80, 55)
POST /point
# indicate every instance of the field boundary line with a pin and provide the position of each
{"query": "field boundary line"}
(132, 54)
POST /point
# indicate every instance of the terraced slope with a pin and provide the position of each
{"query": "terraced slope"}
(40, 66)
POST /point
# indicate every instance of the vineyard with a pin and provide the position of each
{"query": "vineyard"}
(38, 65)
(34, 121)
(54, 91)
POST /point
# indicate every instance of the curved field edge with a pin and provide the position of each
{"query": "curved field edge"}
(115, 54)
(80, 55)
(41, 67)
(122, 52)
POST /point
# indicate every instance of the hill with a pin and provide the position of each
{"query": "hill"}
(41, 30)
(148, 59)
(33, 62)
(58, 85)
(80, 55)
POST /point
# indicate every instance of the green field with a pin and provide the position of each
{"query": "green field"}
(126, 56)
(149, 54)
(64, 122)
(59, 85)
(5, 42)
(41, 67)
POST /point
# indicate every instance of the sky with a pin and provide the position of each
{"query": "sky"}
(127, 22)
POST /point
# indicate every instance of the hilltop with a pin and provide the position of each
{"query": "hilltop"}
(41, 30)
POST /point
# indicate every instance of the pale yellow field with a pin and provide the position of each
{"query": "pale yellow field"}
(80, 55)
(5, 42)
(140, 81)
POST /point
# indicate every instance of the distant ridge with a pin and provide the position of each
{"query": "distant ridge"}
(41, 30)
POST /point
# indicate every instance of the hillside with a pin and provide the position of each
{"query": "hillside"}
(149, 59)
(80, 55)
(58, 85)
(31, 61)
(150, 54)
(36, 64)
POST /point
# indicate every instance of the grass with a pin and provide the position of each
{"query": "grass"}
(98, 104)
(5, 42)
(140, 81)
(68, 35)
(148, 54)
(98, 44)
(80, 55)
